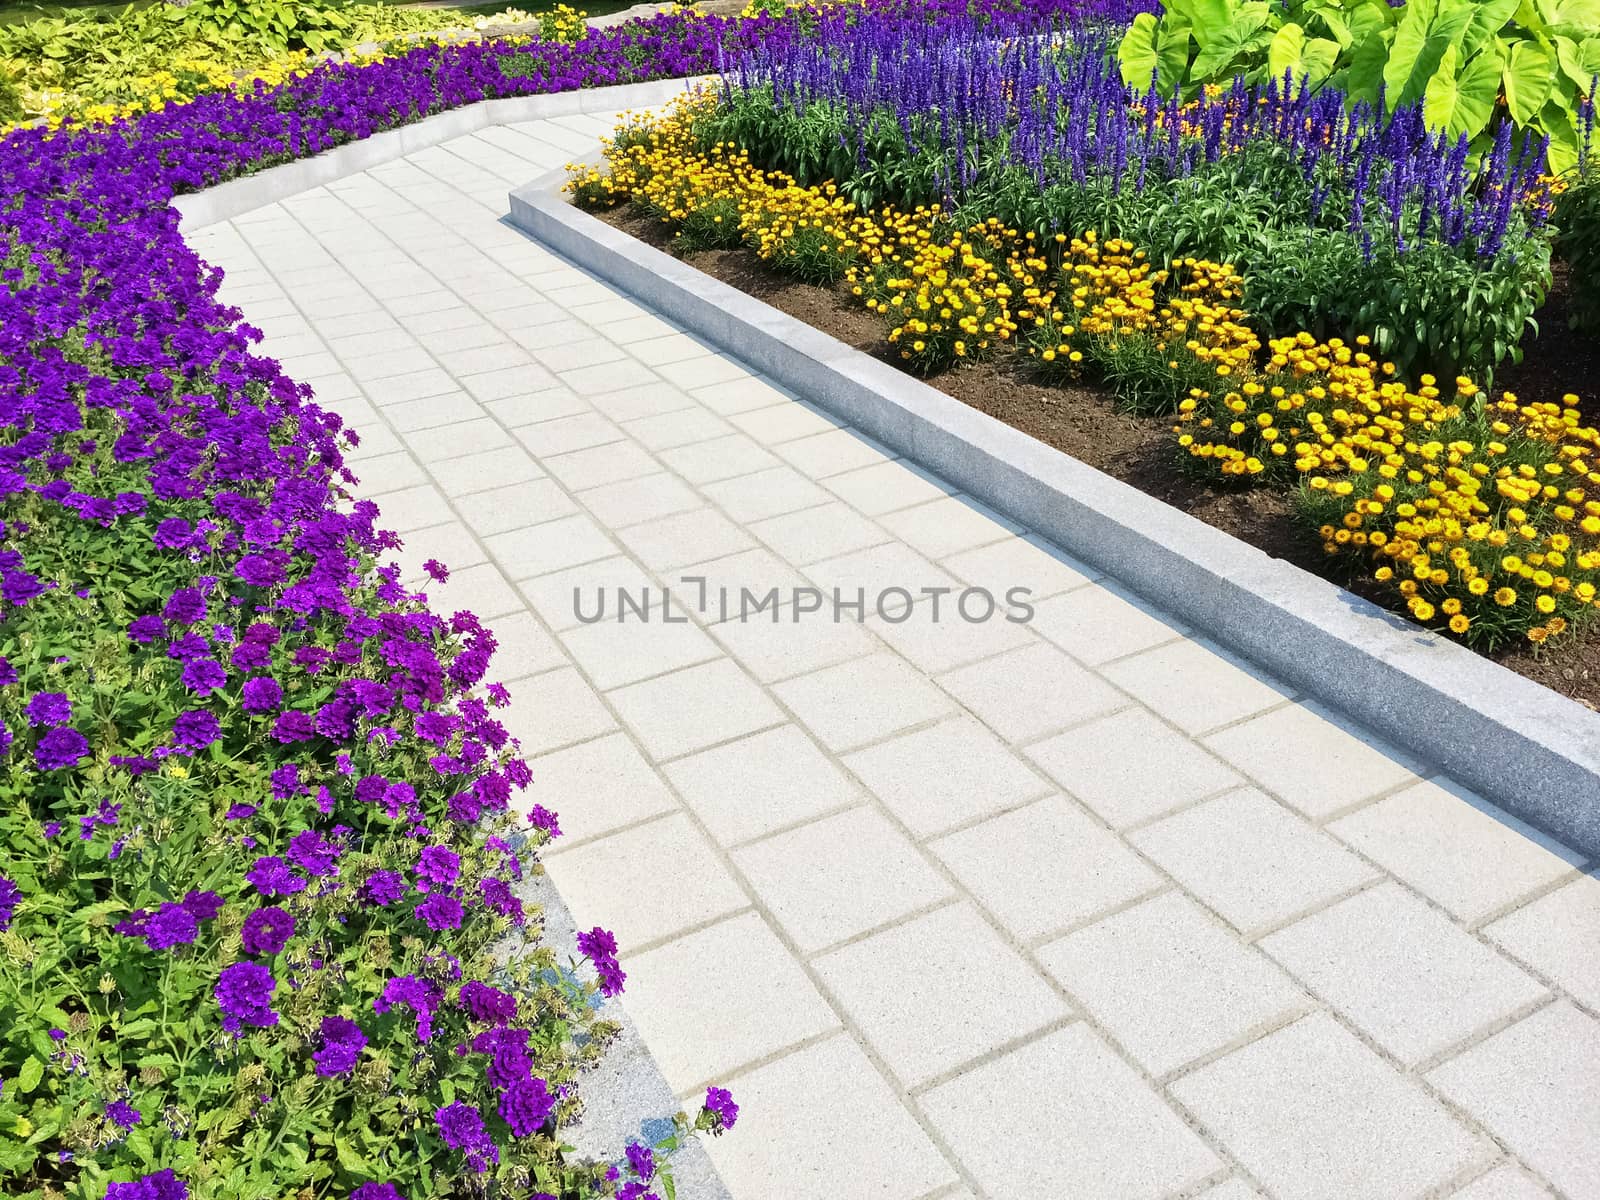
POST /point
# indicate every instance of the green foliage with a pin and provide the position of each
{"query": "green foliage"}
(1470, 63)
(1577, 218)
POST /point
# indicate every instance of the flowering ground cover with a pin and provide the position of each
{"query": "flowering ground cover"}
(1286, 278)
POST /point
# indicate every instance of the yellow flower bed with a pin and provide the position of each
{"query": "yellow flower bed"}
(1482, 518)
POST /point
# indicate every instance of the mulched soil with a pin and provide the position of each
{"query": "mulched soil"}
(1086, 423)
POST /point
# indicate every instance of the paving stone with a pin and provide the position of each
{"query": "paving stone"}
(388, 473)
(777, 423)
(1402, 973)
(433, 412)
(507, 382)
(1457, 849)
(1109, 1134)
(480, 472)
(517, 506)
(580, 431)
(1032, 691)
(481, 590)
(832, 452)
(462, 437)
(824, 1122)
(1171, 983)
(673, 348)
(948, 526)
(765, 494)
(546, 404)
(760, 784)
(753, 587)
(934, 636)
(1251, 860)
(596, 590)
(1301, 756)
(712, 1001)
(669, 543)
(1315, 1115)
(674, 882)
(525, 648)
(720, 458)
(647, 400)
(886, 487)
(816, 533)
(1508, 1182)
(602, 378)
(863, 700)
(550, 546)
(1098, 623)
(1232, 1189)
(1193, 686)
(554, 709)
(937, 992)
(613, 653)
(1019, 562)
(1536, 1086)
(1559, 936)
(694, 708)
(647, 498)
(412, 508)
(865, 575)
(839, 877)
(1046, 867)
(595, 787)
(682, 427)
(796, 645)
(1129, 767)
(945, 775)
(599, 465)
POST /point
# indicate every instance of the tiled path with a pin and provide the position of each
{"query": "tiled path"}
(1075, 909)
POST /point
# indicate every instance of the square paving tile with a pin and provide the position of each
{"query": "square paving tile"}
(1045, 867)
(1129, 767)
(797, 644)
(831, 453)
(1170, 983)
(669, 543)
(479, 472)
(945, 775)
(1304, 758)
(554, 709)
(1536, 1086)
(518, 506)
(1458, 850)
(737, 392)
(1193, 686)
(524, 647)
(935, 636)
(600, 588)
(674, 882)
(1231, 1189)
(862, 700)
(1097, 623)
(765, 494)
(838, 877)
(613, 652)
(817, 533)
(885, 487)
(545, 439)
(632, 403)
(647, 498)
(1109, 1135)
(595, 787)
(760, 784)
(608, 377)
(1027, 693)
(824, 1122)
(948, 526)
(864, 575)
(1508, 1182)
(1315, 1115)
(713, 1001)
(694, 708)
(480, 589)
(1252, 860)
(784, 422)
(754, 587)
(1020, 562)
(683, 427)
(1402, 973)
(550, 546)
(937, 992)
(1559, 936)
(720, 458)
(412, 508)
(598, 465)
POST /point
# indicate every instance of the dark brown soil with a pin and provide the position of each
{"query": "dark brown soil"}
(1086, 423)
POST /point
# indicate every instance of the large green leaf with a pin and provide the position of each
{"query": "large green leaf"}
(1563, 131)
(1580, 61)
(1488, 19)
(1570, 14)
(1152, 47)
(1364, 74)
(1250, 31)
(1293, 54)
(1530, 69)
(1462, 102)
(1205, 17)
(1420, 41)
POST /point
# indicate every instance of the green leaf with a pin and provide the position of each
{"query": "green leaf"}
(1159, 48)
(1488, 18)
(1462, 103)
(1219, 52)
(1420, 41)
(29, 1076)
(1365, 72)
(1580, 61)
(1529, 70)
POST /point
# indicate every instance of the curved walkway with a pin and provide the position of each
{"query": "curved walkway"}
(1073, 908)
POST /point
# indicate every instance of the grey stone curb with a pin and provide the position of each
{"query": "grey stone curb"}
(1514, 741)
(228, 200)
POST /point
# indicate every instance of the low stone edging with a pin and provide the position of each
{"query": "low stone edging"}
(1515, 742)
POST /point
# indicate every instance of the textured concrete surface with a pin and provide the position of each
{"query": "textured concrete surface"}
(1077, 907)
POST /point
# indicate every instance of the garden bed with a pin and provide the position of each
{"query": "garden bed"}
(1087, 423)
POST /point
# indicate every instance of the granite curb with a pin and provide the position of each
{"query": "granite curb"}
(1515, 742)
